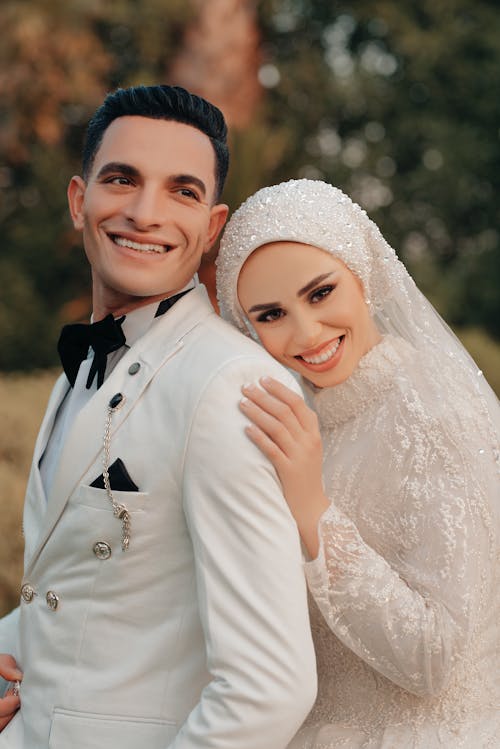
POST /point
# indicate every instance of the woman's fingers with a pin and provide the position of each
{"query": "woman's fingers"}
(304, 415)
(291, 404)
(269, 425)
(273, 406)
(267, 446)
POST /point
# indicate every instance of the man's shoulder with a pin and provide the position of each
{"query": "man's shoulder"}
(226, 355)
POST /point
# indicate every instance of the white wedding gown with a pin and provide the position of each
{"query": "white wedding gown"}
(406, 579)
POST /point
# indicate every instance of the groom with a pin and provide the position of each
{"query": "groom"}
(163, 601)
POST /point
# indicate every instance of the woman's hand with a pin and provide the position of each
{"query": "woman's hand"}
(286, 430)
(9, 704)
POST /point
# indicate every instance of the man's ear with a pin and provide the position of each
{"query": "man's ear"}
(76, 194)
(218, 217)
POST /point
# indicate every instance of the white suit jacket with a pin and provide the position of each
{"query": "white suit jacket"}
(198, 635)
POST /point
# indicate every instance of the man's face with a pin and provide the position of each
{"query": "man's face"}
(147, 211)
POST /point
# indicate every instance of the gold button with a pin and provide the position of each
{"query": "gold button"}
(102, 550)
(28, 592)
(52, 600)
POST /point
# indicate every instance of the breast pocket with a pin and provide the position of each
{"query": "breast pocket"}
(90, 518)
(89, 496)
(78, 730)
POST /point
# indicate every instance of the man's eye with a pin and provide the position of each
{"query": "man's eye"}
(118, 180)
(187, 193)
(270, 315)
(318, 294)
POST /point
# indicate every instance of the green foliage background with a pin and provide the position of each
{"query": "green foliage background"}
(394, 102)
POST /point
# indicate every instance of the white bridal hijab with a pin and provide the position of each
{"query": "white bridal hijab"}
(316, 213)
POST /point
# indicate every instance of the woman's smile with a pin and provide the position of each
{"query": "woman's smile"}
(308, 310)
(323, 357)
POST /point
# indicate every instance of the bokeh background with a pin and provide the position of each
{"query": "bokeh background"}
(395, 102)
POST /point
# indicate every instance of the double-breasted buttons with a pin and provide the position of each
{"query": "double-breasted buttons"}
(28, 592)
(52, 600)
(102, 550)
(134, 368)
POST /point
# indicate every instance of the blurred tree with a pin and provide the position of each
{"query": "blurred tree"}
(57, 60)
(395, 103)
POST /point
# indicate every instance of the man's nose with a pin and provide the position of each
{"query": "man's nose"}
(147, 208)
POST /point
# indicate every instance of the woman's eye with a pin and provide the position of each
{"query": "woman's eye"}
(270, 315)
(319, 294)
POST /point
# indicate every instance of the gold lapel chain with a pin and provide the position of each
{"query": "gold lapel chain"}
(119, 511)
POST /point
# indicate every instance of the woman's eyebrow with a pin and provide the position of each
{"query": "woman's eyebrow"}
(272, 305)
(313, 283)
(260, 307)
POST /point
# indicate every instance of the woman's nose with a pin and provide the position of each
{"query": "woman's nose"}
(307, 331)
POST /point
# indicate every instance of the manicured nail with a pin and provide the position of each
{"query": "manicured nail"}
(266, 380)
(249, 386)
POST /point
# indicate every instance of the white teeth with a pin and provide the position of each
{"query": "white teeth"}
(320, 358)
(138, 246)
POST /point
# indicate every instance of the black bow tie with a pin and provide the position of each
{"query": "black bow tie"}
(104, 336)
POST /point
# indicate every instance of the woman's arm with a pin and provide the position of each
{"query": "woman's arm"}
(411, 621)
(286, 430)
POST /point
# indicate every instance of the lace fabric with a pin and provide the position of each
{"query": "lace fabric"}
(406, 593)
(407, 577)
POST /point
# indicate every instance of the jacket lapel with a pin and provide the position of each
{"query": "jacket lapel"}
(36, 501)
(84, 444)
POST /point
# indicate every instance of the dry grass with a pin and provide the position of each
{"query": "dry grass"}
(22, 403)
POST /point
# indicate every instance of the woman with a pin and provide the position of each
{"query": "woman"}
(403, 537)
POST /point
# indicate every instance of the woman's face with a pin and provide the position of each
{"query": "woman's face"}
(308, 310)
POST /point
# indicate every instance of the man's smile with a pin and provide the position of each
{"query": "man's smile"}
(122, 241)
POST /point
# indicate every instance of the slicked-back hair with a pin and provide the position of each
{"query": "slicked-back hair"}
(160, 102)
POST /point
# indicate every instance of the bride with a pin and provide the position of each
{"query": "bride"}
(401, 532)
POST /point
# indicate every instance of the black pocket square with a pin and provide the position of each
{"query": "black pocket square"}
(119, 478)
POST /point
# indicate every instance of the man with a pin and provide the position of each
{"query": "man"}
(163, 601)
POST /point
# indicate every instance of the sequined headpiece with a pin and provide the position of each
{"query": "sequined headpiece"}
(314, 213)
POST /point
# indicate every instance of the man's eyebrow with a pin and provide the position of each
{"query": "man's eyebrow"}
(127, 170)
(117, 167)
(313, 283)
(189, 179)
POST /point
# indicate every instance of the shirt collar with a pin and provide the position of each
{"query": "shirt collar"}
(138, 321)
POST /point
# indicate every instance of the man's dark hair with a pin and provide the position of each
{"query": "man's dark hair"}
(160, 103)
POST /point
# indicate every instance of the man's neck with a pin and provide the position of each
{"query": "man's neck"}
(118, 304)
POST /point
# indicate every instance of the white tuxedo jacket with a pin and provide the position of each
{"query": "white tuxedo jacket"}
(198, 635)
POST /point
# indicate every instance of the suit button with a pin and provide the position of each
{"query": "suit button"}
(28, 592)
(52, 600)
(102, 550)
(134, 368)
(117, 400)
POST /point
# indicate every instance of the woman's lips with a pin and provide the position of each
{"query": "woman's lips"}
(325, 358)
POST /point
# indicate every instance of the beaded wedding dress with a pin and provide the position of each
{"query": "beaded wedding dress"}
(405, 599)
(407, 643)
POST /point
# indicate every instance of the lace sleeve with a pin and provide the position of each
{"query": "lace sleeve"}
(412, 617)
